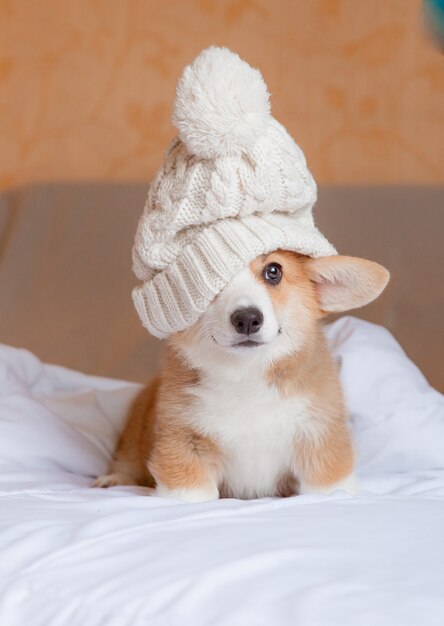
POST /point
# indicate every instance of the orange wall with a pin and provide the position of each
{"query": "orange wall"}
(86, 86)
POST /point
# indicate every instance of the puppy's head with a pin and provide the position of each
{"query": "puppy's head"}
(270, 308)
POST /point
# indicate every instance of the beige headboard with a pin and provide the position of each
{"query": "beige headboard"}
(66, 280)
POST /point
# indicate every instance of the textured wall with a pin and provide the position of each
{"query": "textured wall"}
(86, 86)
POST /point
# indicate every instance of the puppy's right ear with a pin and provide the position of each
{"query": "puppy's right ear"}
(344, 282)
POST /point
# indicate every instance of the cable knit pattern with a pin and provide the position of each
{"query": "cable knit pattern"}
(233, 185)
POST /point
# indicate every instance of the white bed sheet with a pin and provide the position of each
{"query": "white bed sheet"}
(70, 555)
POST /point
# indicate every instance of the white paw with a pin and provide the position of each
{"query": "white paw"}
(347, 484)
(113, 480)
(196, 494)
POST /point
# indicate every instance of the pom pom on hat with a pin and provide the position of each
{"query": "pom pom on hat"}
(222, 105)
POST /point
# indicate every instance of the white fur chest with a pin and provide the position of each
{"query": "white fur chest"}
(255, 429)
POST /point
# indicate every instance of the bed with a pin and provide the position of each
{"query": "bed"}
(70, 554)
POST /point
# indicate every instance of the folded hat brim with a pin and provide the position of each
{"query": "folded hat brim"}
(177, 296)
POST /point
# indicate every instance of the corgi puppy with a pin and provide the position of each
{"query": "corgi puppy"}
(248, 402)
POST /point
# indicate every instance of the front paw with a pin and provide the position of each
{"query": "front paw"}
(348, 484)
(188, 494)
(113, 480)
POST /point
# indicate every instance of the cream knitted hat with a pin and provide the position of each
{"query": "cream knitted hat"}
(233, 185)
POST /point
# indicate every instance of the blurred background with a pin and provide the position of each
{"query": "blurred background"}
(86, 93)
(87, 85)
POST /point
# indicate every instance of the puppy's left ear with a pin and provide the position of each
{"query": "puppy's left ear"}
(346, 282)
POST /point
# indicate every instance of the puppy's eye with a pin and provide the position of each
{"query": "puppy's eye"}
(273, 273)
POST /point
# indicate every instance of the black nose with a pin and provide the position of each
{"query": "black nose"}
(247, 321)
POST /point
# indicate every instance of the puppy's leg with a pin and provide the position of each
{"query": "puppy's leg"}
(348, 484)
(204, 493)
(185, 465)
(114, 479)
(326, 465)
(128, 466)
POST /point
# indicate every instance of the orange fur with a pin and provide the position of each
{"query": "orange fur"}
(328, 459)
(182, 457)
(314, 373)
(294, 280)
(156, 441)
(136, 441)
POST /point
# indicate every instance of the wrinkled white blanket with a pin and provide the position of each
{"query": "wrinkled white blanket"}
(70, 555)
